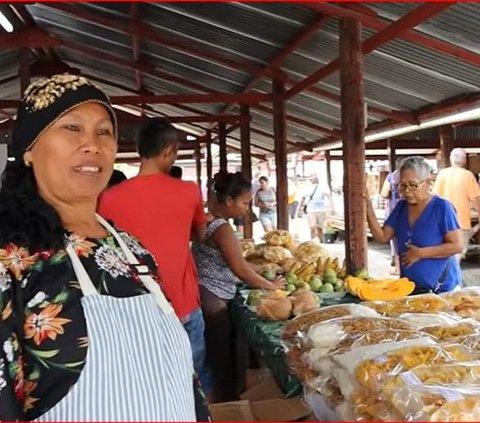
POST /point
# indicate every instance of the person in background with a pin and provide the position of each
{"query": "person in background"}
(390, 192)
(458, 185)
(425, 229)
(176, 172)
(292, 198)
(165, 214)
(82, 313)
(317, 204)
(117, 178)
(221, 265)
(266, 201)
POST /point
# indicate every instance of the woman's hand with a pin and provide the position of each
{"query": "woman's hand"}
(412, 255)
(278, 283)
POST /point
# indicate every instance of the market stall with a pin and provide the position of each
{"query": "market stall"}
(366, 350)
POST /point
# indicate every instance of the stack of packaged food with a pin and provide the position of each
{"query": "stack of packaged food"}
(414, 359)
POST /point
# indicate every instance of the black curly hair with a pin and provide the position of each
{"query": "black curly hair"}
(26, 219)
(230, 185)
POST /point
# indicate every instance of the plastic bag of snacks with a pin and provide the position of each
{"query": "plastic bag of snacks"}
(465, 302)
(276, 254)
(425, 303)
(279, 238)
(421, 320)
(309, 251)
(371, 373)
(453, 331)
(300, 324)
(437, 403)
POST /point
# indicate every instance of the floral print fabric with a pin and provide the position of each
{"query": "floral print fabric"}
(43, 334)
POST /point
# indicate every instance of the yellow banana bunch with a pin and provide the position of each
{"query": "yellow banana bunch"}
(306, 272)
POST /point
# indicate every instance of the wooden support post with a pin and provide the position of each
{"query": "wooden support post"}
(24, 70)
(392, 158)
(328, 162)
(280, 138)
(209, 165)
(353, 131)
(198, 162)
(222, 142)
(446, 145)
(246, 163)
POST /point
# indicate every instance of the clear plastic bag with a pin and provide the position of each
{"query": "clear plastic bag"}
(421, 320)
(425, 303)
(461, 328)
(371, 372)
(464, 302)
(300, 324)
(279, 238)
(436, 403)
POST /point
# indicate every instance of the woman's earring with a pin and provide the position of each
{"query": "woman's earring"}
(27, 163)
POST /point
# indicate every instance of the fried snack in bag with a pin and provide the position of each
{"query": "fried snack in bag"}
(367, 406)
(425, 303)
(421, 320)
(276, 254)
(436, 403)
(371, 373)
(309, 251)
(445, 333)
(465, 302)
(302, 323)
(279, 238)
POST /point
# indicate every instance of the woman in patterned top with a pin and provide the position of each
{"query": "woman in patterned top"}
(220, 265)
(85, 331)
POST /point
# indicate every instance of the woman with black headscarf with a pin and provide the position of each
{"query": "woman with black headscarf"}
(86, 333)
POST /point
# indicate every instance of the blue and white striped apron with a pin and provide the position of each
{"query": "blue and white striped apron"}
(139, 361)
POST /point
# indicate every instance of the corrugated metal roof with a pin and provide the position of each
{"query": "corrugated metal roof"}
(399, 75)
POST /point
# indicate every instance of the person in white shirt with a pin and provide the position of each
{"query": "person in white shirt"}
(317, 204)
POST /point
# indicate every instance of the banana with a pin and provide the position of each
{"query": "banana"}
(296, 265)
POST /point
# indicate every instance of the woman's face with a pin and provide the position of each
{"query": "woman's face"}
(413, 188)
(73, 159)
(263, 184)
(239, 206)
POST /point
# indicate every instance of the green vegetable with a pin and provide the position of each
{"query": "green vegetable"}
(254, 297)
(315, 283)
(330, 276)
(290, 287)
(291, 278)
(327, 288)
(362, 274)
(269, 275)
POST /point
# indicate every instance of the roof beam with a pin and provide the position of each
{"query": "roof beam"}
(27, 38)
(127, 117)
(280, 57)
(146, 31)
(304, 146)
(411, 35)
(388, 33)
(136, 45)
(218, 97)
(301, 122)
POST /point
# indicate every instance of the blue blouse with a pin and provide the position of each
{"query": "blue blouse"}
(438, 218)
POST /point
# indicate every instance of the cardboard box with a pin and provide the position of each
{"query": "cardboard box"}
(275, 410)
(263, 401)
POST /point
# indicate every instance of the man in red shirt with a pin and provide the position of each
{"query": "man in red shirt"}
(165, 213)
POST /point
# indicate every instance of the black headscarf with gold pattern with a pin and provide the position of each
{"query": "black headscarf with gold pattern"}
(46, 100)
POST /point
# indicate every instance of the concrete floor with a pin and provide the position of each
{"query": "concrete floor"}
(378, 254)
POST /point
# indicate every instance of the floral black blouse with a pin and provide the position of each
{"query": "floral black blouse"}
(43, 333)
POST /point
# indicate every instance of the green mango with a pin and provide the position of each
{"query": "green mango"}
(269, 275)
(327, 288)
(362, 274)
(254, 297)
(316, 283)
(329, 276)
(291, 278)
(290, 287)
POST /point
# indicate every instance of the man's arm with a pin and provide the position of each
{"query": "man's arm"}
(199, 222)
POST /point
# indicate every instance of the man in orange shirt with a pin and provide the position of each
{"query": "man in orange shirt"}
(459, 186)
(165, 213)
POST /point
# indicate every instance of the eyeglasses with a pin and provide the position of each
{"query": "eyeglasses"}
(411, 186)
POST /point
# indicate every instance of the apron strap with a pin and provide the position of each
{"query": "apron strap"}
(142, 270)
(84, 280)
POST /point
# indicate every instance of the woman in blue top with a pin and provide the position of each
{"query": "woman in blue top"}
(425, 228)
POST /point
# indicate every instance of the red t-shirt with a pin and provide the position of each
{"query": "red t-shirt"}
(161, 211)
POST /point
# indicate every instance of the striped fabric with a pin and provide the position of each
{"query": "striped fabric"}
(139, 363)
